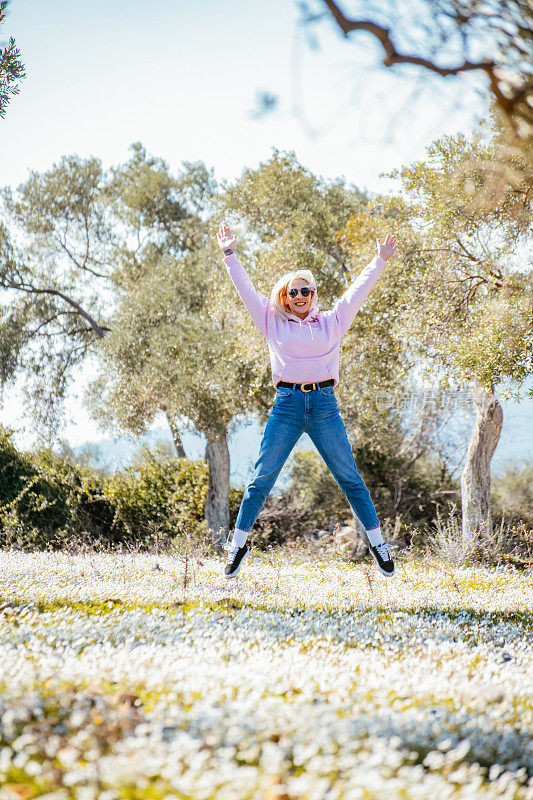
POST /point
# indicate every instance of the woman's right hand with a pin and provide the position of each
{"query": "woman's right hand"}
(225, 238)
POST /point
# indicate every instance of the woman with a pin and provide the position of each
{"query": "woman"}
(304, 356)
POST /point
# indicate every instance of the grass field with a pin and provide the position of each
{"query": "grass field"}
(123, 677)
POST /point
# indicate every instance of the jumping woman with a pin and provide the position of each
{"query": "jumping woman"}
(304, 357)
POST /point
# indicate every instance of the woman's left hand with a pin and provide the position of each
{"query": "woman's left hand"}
(387, 248)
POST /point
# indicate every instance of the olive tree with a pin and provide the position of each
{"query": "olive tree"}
(169, 351)
(469, 300)
(119, 265)
(54, 279)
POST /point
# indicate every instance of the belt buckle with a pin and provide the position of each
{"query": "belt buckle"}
(307, 384)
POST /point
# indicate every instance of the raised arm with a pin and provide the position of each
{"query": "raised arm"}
(257, 304)
(349, 303)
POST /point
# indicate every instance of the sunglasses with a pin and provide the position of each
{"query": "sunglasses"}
(306, 291)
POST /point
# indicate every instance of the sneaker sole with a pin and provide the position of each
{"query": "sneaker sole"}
(387, 574)
(234, 574)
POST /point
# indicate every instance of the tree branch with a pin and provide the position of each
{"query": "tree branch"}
(83, 265)
(50, 319)
(465, 251)
(49, 334)
(512, 102)
(100, 330)
(392, 56)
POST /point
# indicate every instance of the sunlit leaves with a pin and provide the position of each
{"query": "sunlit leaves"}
(470, 295)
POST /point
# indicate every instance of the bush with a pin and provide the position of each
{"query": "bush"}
(282, 520)
(315, 491)
(512, 493)
(403, 493)
(15, 469)
(159, 498)
(47, 501)
(510, 544)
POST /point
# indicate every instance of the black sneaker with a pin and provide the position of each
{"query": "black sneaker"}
(383, 558)
(236, 556)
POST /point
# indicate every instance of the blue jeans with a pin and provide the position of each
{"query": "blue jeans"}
(316, 413)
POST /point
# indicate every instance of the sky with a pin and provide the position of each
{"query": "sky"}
(183, 79)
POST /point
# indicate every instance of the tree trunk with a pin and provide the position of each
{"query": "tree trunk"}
(217, 502)
(176, 438)
(475, 480)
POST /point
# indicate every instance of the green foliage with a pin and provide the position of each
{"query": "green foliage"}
(282, 519)
(314, 488)
(469, 303)
(405, 493)
(504, 178)
(123, 248)
(55, 276)
(47, 501)
(15, 469)
(11, 66)
(512, 493)
(167, 350)
(160, 497)
(282, 198)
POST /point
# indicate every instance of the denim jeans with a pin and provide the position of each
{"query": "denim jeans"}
(316, 413)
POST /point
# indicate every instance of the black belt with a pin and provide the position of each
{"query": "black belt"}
(329, 382)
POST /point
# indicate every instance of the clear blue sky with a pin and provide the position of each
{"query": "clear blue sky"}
(182, 78)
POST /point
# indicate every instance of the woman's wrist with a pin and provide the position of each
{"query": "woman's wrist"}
(228, 251)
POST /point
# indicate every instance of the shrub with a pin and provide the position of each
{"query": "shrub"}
(158, 498)
(502, 544)
(44, 498)
(403, 493)
(282, 520)
(512, 493)
(47, 501)
(314, 489)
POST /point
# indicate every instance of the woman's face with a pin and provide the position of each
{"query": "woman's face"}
(298, 305)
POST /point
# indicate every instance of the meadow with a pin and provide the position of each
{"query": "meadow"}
(128, 675)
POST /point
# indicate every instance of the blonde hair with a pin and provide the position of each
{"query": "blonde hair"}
(278, 295)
